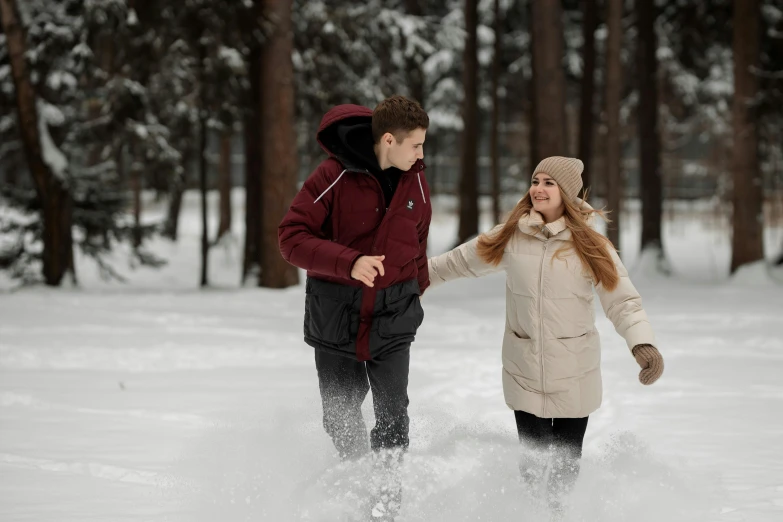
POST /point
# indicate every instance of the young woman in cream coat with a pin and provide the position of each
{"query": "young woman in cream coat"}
(551, 351)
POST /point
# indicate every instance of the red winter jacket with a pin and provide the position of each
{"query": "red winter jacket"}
(340, 214)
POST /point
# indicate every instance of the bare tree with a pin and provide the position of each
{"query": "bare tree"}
(549, 79)
(747, 238)
(614, 80)
(279, 164)
(468, 189)
(651, 185)
(53, 196)
(586, 115)
(494, 127)
(224, 183)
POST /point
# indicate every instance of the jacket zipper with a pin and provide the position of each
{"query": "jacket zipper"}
(541, 323)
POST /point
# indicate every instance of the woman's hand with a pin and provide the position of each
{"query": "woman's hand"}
(651, 361)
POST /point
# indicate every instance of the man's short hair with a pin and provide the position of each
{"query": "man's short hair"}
(398, 115)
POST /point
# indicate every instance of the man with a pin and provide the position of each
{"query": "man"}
(359, 227)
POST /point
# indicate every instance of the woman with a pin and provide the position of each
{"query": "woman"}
(551, 351)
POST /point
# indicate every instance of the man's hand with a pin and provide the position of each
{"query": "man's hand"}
(366, 268)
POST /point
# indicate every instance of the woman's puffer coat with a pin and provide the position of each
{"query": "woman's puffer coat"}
(551, 349)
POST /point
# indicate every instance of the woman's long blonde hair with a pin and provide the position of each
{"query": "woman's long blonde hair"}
(591, 247)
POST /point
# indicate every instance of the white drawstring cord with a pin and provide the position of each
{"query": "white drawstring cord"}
(329, 187)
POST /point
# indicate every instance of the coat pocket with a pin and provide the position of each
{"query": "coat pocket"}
(404, 316)
(327, 319)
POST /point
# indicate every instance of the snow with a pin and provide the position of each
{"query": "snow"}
(59, 79)
(82, 50)
(438, 62)
(52, 155)
(233, 58)
(157, 401)
(756, 274)
(133, 18)
(140, 130)
(7, 122)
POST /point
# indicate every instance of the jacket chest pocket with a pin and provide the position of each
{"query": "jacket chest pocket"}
(402, 241)
(359, 223)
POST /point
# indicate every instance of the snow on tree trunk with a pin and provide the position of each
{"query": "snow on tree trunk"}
(279, 164)
(649, 138)
(549, 79)
(45, 162)
(494, 129)
(224, 185)
(614, 85)
(586, 118)
(747, 237)
(468, 187)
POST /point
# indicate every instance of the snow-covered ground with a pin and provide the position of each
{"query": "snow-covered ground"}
(157, 401)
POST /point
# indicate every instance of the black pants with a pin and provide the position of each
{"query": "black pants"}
(344, 383)
(563, 436)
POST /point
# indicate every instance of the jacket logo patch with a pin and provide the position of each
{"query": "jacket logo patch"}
(410, 204)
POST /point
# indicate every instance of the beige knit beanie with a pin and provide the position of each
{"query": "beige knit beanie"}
(566, 171)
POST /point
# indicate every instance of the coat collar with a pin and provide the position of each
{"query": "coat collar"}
(534, 225)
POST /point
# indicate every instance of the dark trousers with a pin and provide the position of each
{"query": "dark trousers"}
(344, 383)
(563, 436)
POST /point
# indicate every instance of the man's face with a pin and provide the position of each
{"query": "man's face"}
(405, 153)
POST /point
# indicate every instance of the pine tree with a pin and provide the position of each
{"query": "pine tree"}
(46, 163)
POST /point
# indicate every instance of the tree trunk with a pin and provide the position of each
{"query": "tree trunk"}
(586, 117)
(415, 74)
(202, 170)
(614, 81)
(531, 88)
(55, 200)
(468, 189)
(649, 139)
(494, 128)
(747, 244)
(280, 166)
(11, 176)
(549, 78)
(252, 137)
(225, 185)
(135, 182)
(176, 191)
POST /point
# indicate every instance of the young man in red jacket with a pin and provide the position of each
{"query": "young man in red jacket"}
(359, 227)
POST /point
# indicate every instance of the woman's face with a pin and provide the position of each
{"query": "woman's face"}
(546, 196)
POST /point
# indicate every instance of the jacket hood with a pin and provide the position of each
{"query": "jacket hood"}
(330, 139)
(345, 134)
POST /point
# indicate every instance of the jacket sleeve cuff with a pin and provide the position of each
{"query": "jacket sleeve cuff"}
(345, 262)
(640, 333)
